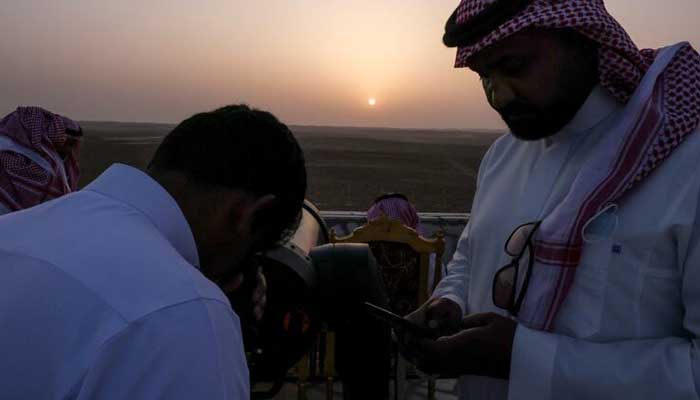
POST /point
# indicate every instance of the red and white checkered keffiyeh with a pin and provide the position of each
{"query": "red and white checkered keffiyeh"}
(667, 112)
(38, 157)
(396, 208)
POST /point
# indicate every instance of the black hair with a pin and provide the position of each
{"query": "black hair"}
(237, 147)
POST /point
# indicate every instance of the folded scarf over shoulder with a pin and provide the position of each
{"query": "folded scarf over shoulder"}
(39, 153)
(661, 91)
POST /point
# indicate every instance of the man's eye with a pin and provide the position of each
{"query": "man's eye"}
(514, 66)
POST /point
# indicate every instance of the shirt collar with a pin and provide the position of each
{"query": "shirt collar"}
(599, 105)
(138, 190)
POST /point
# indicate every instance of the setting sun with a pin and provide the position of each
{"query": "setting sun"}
(372, 102)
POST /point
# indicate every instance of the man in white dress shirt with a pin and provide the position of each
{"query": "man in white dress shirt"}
(111, 292)
(579, 271)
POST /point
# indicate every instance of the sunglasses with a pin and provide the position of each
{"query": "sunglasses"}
(510, 283)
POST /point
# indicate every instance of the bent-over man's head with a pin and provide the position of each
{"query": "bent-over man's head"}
(239, 176)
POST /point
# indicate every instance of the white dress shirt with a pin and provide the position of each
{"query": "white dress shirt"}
(629, 326)
(101, 298)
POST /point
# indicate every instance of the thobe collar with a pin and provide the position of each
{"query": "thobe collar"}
(599, 105)
(138, 190)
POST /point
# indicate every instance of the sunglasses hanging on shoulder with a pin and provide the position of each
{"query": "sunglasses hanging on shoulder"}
(511, 282)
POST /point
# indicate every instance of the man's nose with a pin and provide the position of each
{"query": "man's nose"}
(499, 92)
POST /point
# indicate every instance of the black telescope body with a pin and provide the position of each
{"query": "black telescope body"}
(311, 284)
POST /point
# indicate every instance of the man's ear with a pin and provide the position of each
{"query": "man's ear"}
(263, 203)
(254, 207)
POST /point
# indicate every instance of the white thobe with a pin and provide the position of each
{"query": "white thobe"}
(629, 326)
(101, 298)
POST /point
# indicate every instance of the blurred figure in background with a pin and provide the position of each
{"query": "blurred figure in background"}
(39, 157)
(397, 206)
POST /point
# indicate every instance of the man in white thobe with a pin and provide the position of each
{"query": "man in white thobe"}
(110, 293)
(604, 147)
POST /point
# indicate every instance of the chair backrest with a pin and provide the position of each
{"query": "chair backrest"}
(404, 257)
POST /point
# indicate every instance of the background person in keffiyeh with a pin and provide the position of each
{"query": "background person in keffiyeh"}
(39, 157)
(602, 160)
(397, 206)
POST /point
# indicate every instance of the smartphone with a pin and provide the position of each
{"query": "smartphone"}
(399, 324)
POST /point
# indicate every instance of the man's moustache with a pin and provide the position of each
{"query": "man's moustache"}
(517, 111)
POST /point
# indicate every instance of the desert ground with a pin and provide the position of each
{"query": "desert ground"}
(347, 167)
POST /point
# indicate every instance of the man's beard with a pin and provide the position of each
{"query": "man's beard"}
(528, 122)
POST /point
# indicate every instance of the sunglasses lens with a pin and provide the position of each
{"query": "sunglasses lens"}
(503, 287)
(518, 240)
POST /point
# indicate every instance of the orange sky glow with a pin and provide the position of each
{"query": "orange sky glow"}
(315, 62)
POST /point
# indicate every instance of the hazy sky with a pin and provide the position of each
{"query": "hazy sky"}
(308, 61)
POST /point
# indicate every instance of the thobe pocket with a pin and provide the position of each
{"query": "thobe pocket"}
(660, 301)
(582, 312)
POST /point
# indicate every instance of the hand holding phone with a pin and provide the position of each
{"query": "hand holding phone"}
(399, 324)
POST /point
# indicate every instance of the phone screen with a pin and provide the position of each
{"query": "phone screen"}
(400, 325)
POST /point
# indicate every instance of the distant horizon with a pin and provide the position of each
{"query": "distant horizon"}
(302, 125)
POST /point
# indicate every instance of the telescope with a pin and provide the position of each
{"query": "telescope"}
(311, 284)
